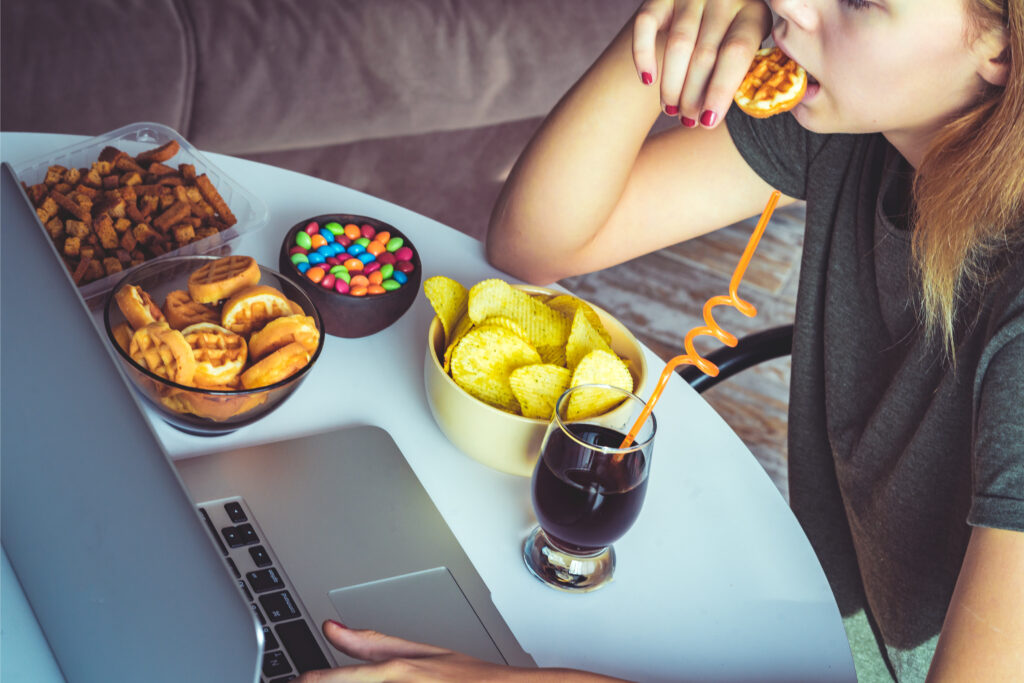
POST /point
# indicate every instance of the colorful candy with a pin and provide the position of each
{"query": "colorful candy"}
(356, 260)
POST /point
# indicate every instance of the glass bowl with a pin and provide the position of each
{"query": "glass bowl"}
(200, 411)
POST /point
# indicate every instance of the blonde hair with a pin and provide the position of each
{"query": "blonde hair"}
(969, 189)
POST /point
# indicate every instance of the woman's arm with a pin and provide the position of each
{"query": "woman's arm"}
(591, 189)
(983, 635)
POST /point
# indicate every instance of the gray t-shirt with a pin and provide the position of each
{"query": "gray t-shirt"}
(893, 453)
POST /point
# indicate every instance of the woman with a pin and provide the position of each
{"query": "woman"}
(907, 396)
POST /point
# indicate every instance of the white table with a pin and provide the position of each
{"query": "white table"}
(716, 581)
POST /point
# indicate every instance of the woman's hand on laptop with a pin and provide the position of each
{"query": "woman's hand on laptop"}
(392, 659)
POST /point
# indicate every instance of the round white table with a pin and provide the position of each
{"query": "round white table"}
(716, 581)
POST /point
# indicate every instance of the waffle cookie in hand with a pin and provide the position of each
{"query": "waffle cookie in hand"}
(773, 84)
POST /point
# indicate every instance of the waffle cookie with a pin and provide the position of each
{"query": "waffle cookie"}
(137, 306)
(282, 331)
(252, 308)
(164, 352)
(222, 278)
(773, 84)
(181, 310)
(220, 354)
(279, 365)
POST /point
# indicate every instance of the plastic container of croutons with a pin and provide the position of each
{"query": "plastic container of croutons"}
(211, 233)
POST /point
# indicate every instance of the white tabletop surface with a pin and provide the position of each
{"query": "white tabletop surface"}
(716, 580)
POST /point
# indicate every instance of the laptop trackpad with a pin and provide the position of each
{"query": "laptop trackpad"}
(426, 606)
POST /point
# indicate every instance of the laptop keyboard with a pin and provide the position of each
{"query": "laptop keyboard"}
(290, 648)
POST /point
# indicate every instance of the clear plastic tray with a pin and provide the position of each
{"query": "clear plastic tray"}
(134, 138)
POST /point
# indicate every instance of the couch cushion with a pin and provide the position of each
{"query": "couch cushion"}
(264, 75)
(278, 75)
(90, 66)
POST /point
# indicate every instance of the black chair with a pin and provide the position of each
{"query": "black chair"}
(749, 351)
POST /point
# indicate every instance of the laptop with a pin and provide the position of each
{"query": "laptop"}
(220, 567)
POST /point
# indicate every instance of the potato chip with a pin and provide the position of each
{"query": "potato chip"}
(597, 367)
(483, 360)
(463, 326)
(568, 305)
(508, 323)
(544, 326)
(583, 338)
(537, 388)
(449, 299)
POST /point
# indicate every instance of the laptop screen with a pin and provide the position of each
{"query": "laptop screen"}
(109, 549)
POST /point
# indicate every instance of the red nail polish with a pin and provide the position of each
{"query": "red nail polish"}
(338, 623)
(688, 122)
(671, 109)
(708, 118)
(646, 78)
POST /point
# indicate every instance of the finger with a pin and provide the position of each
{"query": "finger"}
(679, 44)
(734, 58)
(651, 18)
(713, 28)
(373, 646)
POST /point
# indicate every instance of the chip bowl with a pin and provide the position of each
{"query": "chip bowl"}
(501, 440)
(204, 412)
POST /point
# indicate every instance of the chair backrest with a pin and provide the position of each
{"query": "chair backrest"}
(749, 351)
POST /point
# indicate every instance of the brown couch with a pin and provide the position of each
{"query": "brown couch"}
(423, 102)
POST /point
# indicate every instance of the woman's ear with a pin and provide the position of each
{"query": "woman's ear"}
(992, 51)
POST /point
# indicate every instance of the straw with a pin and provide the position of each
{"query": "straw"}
(710, 327)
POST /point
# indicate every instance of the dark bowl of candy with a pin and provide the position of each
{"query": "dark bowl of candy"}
(362, 274)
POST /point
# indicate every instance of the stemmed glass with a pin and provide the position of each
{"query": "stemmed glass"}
(587, 490)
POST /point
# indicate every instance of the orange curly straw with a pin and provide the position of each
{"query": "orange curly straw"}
(710, 327)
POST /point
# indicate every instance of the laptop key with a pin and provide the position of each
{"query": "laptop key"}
(298, 640)
(265, 580)
(284, 679)
(260, 556)
(259, 614)
(248, 534)
(235, 512)
(275, 664)
(231, 535)
(213, 532)
(279, 606)
(269, 641)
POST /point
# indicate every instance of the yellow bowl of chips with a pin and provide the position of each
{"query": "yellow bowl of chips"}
(498, 357)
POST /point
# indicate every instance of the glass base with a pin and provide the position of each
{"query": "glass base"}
(567, 571)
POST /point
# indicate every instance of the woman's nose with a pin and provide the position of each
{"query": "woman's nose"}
(803, 14)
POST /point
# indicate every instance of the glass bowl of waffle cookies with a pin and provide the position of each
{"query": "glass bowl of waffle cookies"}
(212, 344)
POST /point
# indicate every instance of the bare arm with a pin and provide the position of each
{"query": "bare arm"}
(983, 634)
(592, 190)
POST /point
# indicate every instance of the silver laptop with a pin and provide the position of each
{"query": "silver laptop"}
(217, 568)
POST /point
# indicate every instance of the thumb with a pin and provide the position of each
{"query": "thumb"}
(373, 646)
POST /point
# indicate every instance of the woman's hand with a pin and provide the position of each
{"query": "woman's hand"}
(709, 45)
(399, 661)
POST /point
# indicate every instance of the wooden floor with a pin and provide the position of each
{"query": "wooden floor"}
(660, 296)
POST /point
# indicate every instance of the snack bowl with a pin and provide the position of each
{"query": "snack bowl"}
(504, 441)
(195, 410)
(346, 314)
(250, 211)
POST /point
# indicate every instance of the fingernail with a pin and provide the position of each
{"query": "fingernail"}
(708, 118)
(338, 623)
(688, 122)
(647, 78)
(671, 109)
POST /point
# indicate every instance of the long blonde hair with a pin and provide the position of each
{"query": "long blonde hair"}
(969, 189)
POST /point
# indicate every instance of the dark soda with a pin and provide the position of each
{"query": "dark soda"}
(586, 500)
